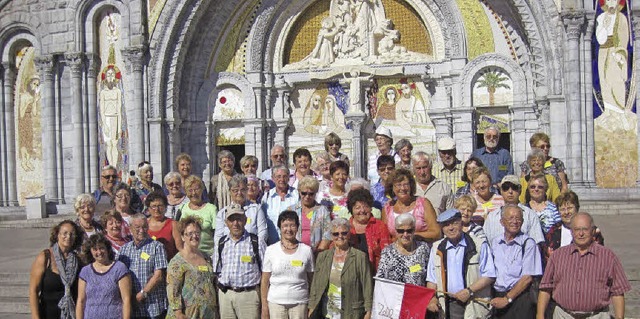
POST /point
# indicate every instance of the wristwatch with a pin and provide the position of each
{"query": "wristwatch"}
(509, 300)
(471, 293)
(144, 294)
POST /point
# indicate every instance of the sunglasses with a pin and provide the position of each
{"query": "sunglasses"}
(109, 176)
(536, 187)
(403, 231)
(507, 185)
(343, 233)
(307, 193)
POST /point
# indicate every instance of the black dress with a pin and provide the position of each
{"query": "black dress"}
(52, 290)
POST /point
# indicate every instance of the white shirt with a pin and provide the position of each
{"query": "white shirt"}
(289, 284)
(565, 236)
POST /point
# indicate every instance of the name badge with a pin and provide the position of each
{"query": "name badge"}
(154, 238)
(309, 215)
(145, 256)
(460, 184)
(487, 205)
(246, 259)
(296, 263)
(547, 164)
(203, 268)
(415, 268)
(248, 220)
(502, 167)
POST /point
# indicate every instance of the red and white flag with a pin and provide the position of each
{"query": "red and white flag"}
(396, 300)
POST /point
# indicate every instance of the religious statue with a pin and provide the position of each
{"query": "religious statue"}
(111, 112)
(28, 109)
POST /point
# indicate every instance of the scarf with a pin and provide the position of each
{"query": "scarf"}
(224, 195)
(68, 270)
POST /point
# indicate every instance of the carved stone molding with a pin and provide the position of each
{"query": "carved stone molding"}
(574, 23)
(10, 73)
(46, 66)
(75, 61)
(635, 21)
(93, 65)
(135, 58)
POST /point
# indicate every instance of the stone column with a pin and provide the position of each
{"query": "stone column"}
(3, 142)
(464, 131)
(135, 58)
(635, 20)
(93, 168)
(173, 139)
(75, 62)
(358, 144)
(589, 149)
(10, 73)
(46, 67)
(574, 23)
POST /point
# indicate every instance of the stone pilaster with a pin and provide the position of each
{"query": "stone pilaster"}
(10, 73)
(588, 137)
(135, 60)
(46, 67)
(464, 131)
(542, 106)
(635, 21)
(75, 62)
(359, 143)
(3, 139)
(93, 166)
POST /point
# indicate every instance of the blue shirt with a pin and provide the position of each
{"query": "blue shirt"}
(256, 222)
(238, 264)
(379, 198)
(511, 263)
(498, 162)
(530, 225)
(273, 205)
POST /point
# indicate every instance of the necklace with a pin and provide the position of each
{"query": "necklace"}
(295, 246)
(342, 254)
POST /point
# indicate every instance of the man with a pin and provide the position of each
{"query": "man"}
(450, 169)
(278, 199)
(495, 158)
(104, 195)
(461, 269)
(429, 187)
(256, 221)
(386, 164)
(147, 261)
(584, 277)
(238, 262)
(510, 189)
(384, 146)
(278, 158)
(517, 262)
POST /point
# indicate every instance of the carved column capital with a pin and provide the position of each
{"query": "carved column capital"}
(93, 64)
(75, 61)
(574, 23)
(135, 58)
(10, 71)
(45, 65)
(635, 21)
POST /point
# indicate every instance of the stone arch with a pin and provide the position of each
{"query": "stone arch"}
(11, 40)
(85, 23)
(239, 82)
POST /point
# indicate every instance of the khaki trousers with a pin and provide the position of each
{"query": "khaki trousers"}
(239, 305)
(559, 313)
(277, 311)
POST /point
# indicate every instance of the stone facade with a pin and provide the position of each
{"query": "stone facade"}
(177, 58)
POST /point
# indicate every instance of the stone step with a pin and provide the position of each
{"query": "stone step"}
(14, 290)
(14, 278)
(14, 305)
(36, 223)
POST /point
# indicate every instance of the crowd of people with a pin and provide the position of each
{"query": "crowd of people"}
(308, 241)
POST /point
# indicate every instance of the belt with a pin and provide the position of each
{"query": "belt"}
(584, 314)
(236, 289)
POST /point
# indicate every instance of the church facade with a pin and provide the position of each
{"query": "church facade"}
(87, 83)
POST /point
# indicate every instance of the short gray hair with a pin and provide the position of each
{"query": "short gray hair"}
(492, 128)
(275, 147)
(308, 182)
(511, 206)
(172, 176)
(357, 181)
(84, 199)
(226, 154)
(248, 159)
(145, 167)
(109, 168)
(279, 168)
(139, 216)
(583, 214)
(237, 180)
(402, 144)
(419, 156)
(340, 222)
(536, 153)
(405, 219)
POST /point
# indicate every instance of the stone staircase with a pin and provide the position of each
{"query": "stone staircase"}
(14, 295)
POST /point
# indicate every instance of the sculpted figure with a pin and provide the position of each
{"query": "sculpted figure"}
(111, 113)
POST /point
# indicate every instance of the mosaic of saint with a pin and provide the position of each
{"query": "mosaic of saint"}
(401, 106)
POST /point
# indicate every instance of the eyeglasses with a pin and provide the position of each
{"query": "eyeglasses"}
(121, 196)
(110, 176)
(544, 146)
(343, 233)
(157, 207)
(307, 193)
(514, 219)
(403, 185)
(491, 137)
(566, 208)
(508, 185)
(238, 190)
(388, 169)
(174, 184)
(536, 187)
(403, 231)
(278, 155)
(192, 234)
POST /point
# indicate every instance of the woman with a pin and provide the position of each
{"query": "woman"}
(161, 228)
(332, 144)
(487, 200)
(342, 285)
(219, 185)
(536, 160)
(335, 196)
(85, 207)
(145, 185)
(404, 148)
(467, 206)
(249, 165)
(254, 189)
(552, 166)
(176, 197)
(122, 205)
(302, 162)
(205, 211)
(54, 274)
(545, 209)
(183, 165)
(368, 234)
(287, 273)
(471, 164)
(191, 286)
(406, 259)
(384, 143)
(256, 222)
(560, 234)
(323, 160)
(112, 223)
(314, 218)
(401, 187)
(352, 185)
(104, 288)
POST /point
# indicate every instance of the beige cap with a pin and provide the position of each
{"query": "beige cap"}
(511, 179)
(384, 131)
(233, 209)
(446, 144)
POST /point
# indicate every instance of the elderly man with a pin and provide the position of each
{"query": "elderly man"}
(147, 261)
(583, 277)
(461, 269)
(384, 146)
(278, 158)
(256, 221)
(276, 200)
(450, 169)
(517, 262)
(104, 195)
(510, 189)
(436, 191)
(495, 158)
(238, 261)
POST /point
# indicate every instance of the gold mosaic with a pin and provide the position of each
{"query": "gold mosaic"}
(477, 27)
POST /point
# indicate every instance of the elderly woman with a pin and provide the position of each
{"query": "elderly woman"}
(85, 207)
(302, 163)
(254, 189)
(406, 259)
(249, 165)
(367, 233)
(219, 185)
(314, 218)
(287, 272)
(323, 160)
(54, 274)
(342, 285)
(191, 286)
(122, 205)
(466, 189)
(176, 196)
(467, 206)
(352, 185)
(332, 144)
(384, 143)
(545, 209)
(401, 187)
(112, 222)
(162, 228)
(536, 160)
(145, 185)
(487, 200)
(335, 196)
(205, 211)
(559, 235)
(104, 288)
(552, 166)
(256, 222)
(404, 148)
(183, 165)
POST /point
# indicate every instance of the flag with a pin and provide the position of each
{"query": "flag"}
(396, 300)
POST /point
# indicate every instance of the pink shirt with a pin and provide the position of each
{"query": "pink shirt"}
(418, 213)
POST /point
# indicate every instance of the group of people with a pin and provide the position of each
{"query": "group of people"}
(307, 242)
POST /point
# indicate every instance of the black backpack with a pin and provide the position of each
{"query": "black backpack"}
(254, 244)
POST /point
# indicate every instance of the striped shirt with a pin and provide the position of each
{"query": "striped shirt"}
(238, 264)
(452, 177)
(484, 208)
(584, 282)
